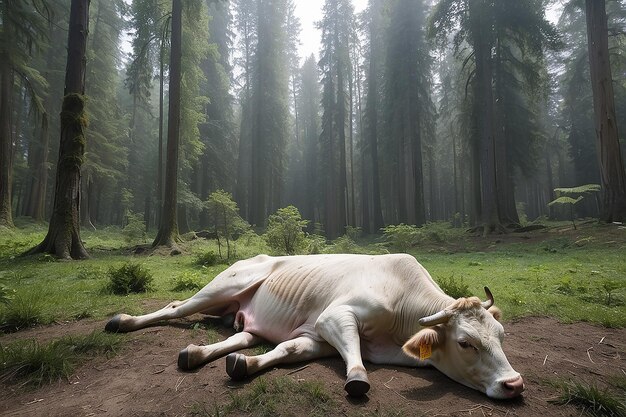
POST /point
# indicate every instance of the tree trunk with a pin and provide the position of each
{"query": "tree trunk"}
(6, 163)
(611, 164)
(168, 229)
(342, 180)
(63, 238)
(37, 199)
(159, 188)
(484, 110)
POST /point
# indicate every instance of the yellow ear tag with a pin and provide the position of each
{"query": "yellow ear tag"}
(425, 351)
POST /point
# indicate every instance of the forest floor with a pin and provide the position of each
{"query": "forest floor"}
(143, 379)
(549, 284)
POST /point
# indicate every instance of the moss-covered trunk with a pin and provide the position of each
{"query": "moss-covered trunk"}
(63, 238)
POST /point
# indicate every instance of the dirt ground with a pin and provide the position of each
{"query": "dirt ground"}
(143, 379)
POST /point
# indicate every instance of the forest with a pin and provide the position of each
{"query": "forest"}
(162, 142)
(468, 112)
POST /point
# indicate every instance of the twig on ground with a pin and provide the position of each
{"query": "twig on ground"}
(180, 381)
(601, 340)
(544, 360)
(589, 355)
(159, 371)
(34, 401)
(297, 370)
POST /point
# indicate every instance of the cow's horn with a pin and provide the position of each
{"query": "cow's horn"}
(489, 301)
(437, 318)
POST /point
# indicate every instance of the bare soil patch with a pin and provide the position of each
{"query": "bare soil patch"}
(143, 379)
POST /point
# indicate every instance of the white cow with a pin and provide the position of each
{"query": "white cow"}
(385, 309)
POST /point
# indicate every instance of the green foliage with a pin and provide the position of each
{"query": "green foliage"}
(129, 278)
(226, 220)
(565, 197)
(343, 244)
(265, 397)
(401, 236)
(285, 232)
(24, 310)
(315, 244)
(454, 287)
(610, 286)
(135, 228)
(208, 258)
(187, 281)
(437, 232)
(591, 399)
(6, 293)
(35, 363)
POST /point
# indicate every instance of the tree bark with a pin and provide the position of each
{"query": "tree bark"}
(168, 229)
(63, 238)
(6, 140)
(610, 157)
(37, 199)
(159, 187)
(484, 110)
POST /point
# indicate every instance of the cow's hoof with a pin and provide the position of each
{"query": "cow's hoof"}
(113, 326)
(357, 383)
(236, 366)
(183, 360)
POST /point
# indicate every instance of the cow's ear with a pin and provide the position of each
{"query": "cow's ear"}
(495, 312)
(429, 336)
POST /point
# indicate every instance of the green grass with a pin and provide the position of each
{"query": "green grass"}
(267, 397)
(591, 399)
(566, 276)
(32, 363)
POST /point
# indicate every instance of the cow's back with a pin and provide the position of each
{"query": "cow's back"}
(292, 291)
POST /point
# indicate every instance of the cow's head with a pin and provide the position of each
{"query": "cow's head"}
(464, 341)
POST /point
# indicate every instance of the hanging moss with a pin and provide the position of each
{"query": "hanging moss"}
(73, 110)
(71, 162)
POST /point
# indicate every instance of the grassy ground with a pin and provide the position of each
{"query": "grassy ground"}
(573, 275)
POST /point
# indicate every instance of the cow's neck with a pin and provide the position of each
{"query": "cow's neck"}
(421, 302)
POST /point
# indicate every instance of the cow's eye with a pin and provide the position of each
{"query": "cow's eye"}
(465, 344)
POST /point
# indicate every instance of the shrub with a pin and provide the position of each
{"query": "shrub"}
(610, 286)
(208, 258)
(343, 244)
(130, 277)
(187, 281)
(401, 236)
(438, 232)
(226, 220)
(315, 244)
(454, 287)
(285, 232)
(135, 228)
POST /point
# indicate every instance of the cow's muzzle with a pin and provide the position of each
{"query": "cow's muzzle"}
(513, 387)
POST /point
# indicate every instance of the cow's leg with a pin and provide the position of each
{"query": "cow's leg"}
(338, 326)
(193, 356)
(175, 309)
(239, 366)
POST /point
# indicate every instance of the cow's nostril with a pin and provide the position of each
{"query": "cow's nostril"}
(514, 386)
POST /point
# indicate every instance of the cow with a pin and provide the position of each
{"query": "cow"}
(385, 309)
